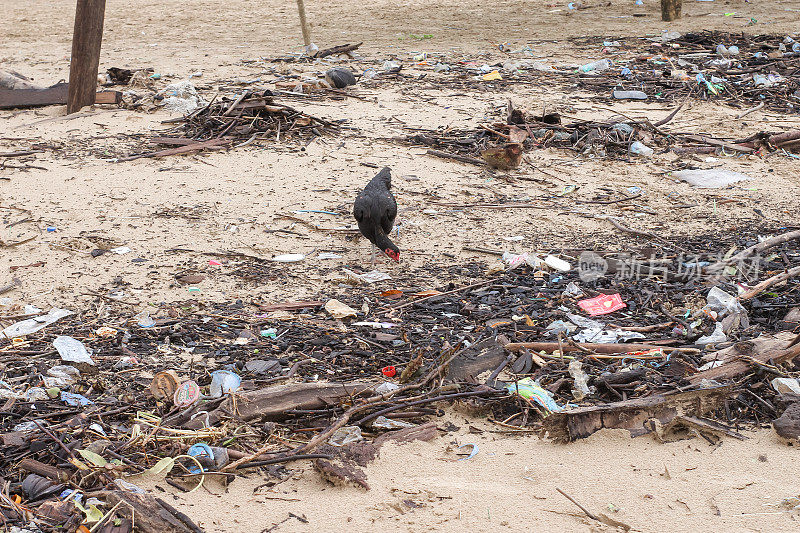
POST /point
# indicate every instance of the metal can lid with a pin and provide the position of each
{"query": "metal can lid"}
(164, 384)
(186, 394)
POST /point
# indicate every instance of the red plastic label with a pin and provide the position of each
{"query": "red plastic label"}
(603, 304)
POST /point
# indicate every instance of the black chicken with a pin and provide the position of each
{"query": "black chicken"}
(375, 210)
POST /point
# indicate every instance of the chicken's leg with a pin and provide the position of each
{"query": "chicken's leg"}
(373, 248)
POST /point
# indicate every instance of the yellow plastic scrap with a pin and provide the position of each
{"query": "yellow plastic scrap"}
(492, 76)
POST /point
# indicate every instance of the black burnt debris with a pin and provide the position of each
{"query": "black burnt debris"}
(189, 390)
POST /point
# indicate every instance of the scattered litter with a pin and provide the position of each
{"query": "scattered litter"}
(629, 95)
(531, 390)
(711, 179)
(581, 388)
(339, 310)
(387, 423)
(186, 394)
(345, 435)
(372, 276)
(224, 382)
(72, 350)
(603, 304)
(386, 388)
(516, 260)
(786, 385)
(557, 263)
(143, 319)
(75, 400)
(473, 451)
(289, 258)
(716, 337)
(61, 376)
(32, 325)
(180, 97)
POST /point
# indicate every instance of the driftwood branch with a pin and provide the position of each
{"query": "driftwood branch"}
(755, 249)
(336, 50)
(770, 282)
(634, 415)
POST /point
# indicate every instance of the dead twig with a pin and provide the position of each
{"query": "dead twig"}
(579, 506)
(769, 282)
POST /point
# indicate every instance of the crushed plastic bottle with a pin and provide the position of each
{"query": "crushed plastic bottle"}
(639, 148)
(386, 388)
(581, 388)
(716, 337)
(724, 305)
(223, 382)
(603, 64)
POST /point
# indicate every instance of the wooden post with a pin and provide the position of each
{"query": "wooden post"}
(301, 7)
(670, 10)
(86, 40)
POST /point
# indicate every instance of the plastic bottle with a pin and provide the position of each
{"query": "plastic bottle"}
(638, 148)
(603, 64)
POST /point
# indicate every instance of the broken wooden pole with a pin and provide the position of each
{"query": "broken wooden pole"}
(86, 40)
(301, 8)
(57, 94)
(670, 10)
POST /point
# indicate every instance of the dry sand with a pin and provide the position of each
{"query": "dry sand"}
(227, 202)
(510, 485)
